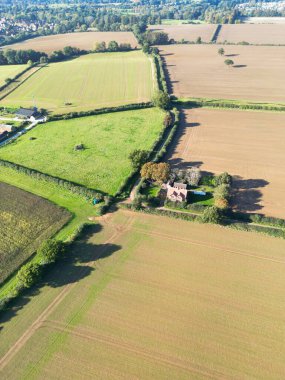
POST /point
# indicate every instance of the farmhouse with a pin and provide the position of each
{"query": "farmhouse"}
(31, 114)
(177, 192)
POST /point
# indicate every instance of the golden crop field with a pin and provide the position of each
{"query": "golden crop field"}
(148, 297)
(82, 40)
(247, 144)
(253, 33)
(188, 32)
(199, 71)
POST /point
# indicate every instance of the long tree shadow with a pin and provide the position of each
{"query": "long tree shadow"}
(246, 194)
(77, 264)
(173, 151)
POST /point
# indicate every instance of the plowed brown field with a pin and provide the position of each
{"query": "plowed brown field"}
(199, 71)
(253, 33)
(154, 298)
(187, 32)
(249, 145)
(84, 40)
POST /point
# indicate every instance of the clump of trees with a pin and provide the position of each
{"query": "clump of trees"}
(50, 251)
(113, 46)
(156, 38)
(211, 215)
(138, 157)
(221, 51)
(20, 57)
(28, 275)
(66, 53)
(158, 172)
(191, 176)
(161, 99)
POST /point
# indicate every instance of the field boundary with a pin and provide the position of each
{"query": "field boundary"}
(19, 84)
(73, 187)
(228, 103)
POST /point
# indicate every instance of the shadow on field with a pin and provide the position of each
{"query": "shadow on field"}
(231, 55)
(77, 264)
(239, 66)
(173, 148)
(246, 195)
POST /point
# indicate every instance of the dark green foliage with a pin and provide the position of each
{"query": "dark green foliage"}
(19, 57)
(156, 38)
(211, 215)
(28, 275)
(223, 178)
(100, 111)
(50, 251)
(71, 186)
(138, 157)
(161, 99)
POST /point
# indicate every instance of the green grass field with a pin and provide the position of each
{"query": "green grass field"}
(108, 140)
(147, 297)
(26, 220)
(88, 82)
(10, 71)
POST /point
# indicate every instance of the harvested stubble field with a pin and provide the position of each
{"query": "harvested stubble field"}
(264, 20)
(253, 33)
(88, 82)
(135, 300)
(247, 144)
(199, 71)
(108, 140)
(25, 221)
(10, 71)
(83, 40)
(187, 32)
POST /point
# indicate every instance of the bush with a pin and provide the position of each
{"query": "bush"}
(223, 178)
(222, 192)
(50, 251)
(161, 99)
(28, 275)
(211, 215)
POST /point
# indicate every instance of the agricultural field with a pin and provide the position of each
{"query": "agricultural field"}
(253, 33)
(107, 139)
(247, 144)
(199, 71)
(10, 71)
(88, 82)
(264, 20)
(26, 220)
(145, 297)
(188, 32)
(83, 40)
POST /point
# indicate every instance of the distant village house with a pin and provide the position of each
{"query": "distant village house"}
(31, 114)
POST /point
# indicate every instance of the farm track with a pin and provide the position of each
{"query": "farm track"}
(53, 305)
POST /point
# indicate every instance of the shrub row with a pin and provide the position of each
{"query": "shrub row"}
(28, 275)
(256, 218)
(271, 231)
(163, 150)
(99, 111)
(227, 104)
(71, 186)
(16, 77)
(160, 73)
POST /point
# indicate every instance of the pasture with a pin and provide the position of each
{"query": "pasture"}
(26, 220)
(247, 144)
(136, 300)
(88, 82)
(10, 71)
(253, 33)
(108, 139)
(188, 32)
(82, 40)
(199, 71)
